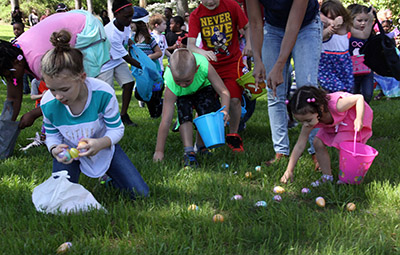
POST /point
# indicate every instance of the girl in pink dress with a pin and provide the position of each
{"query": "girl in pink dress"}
(338, 116)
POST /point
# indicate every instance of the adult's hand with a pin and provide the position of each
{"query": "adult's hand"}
(275, 78)
(259, 72)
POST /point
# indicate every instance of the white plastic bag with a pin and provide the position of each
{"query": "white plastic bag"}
(58, 195)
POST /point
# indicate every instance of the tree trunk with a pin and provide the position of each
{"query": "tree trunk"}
(182, 7)
(89, 6)
(13, 4)
(78, 4)
(109, 9)
(143, 3)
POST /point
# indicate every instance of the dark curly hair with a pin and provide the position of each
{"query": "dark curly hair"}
(299, 103)
(8, 54)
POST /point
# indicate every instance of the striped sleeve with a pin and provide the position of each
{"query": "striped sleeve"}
(53, 136)
(112, 119)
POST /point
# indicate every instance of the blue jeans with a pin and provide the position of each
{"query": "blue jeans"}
(364, 84)
(306, 54)
(122, 171)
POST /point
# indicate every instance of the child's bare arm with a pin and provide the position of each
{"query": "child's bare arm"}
(221, 90)
(364, 34)
(157, 53)
(132, 61)
(166, 119)
(246, 32)
(296, 153)
(35, 97)
(191, 45)
(327, 33)
(345, 103)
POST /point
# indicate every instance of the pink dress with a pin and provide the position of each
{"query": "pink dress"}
(342, 128)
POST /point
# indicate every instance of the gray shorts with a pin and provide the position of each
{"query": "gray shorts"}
(121, 73)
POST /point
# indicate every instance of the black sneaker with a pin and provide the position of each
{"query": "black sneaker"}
(204, 151)
(127, 121)
(190, 160)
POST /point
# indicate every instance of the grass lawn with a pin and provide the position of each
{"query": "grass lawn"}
(6, 31)
(162, 223)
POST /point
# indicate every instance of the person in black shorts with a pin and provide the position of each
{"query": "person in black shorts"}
(191, 82)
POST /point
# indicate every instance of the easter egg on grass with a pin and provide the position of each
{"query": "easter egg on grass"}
(350, 207)
(277, 198)
(261, 204)
(63, 248)
(320, 201)
(225, 165)
(278, 190)
(248, 175)
(237, 197)
(258, 168)
(193, 207)
(305, 190)
(218, 218)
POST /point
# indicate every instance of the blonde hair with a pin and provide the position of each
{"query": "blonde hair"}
(182, 63)
(62, 56)
(156, 19)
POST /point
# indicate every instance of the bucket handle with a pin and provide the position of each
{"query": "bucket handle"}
(354, 143)
(223, 107)
(354, 153)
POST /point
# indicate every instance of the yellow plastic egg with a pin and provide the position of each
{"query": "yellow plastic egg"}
(278, 190)
(248, 174)
(320, 201)
(350, 207)
(74, 153)
(218, 218)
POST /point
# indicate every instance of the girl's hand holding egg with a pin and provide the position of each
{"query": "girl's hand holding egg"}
(338, 22)
(61, 154)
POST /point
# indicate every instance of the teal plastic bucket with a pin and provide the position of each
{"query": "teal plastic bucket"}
(211, 129)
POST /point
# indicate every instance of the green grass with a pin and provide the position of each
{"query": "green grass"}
(161, 224)
(6, 32)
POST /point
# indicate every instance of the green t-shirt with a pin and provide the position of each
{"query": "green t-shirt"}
(200, 78)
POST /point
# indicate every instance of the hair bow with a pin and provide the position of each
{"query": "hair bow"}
(311, 100)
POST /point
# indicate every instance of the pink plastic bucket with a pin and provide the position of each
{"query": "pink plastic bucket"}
(354, 164)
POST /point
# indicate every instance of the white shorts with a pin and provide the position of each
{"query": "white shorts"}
(121, 73)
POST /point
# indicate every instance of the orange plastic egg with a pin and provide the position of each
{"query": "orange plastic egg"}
(218, 218)
(350, 207)
(320, 201)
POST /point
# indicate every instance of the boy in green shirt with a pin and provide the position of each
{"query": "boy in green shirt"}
(190, 82)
